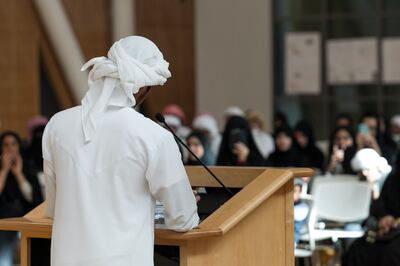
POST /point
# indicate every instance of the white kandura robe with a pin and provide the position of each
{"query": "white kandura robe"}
(102, 193)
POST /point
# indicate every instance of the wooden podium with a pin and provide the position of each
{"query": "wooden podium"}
(255, 227)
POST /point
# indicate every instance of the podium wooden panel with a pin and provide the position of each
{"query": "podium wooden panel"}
(255, 227)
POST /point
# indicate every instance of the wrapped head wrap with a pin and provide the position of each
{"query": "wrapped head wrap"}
(132, 63)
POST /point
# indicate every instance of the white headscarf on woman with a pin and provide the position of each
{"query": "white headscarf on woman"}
(369, 159)
(207, 122)
(373, 167)
(132, 63)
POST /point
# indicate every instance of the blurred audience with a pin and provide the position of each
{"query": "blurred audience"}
(264, 141)
(371, 154)
(238, 147)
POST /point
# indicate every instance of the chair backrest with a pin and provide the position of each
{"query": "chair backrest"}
(341, 199)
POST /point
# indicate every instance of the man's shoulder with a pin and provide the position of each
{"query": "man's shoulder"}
(151, 128)
(140, 125)
(70, 112)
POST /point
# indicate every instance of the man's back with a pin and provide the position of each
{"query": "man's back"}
(103, 191)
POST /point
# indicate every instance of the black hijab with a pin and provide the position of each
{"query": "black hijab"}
(225, 155)
(348, 153)
(208, 157)
(311, 155)
(289, 158)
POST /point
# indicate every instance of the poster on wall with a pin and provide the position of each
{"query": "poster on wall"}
(302, 63)
(391, 60)
(352, 61)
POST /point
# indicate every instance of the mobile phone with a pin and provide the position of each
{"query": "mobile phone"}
(340, 154)
(363, 129)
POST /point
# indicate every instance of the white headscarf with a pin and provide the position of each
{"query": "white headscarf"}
(369, 159)
(206, 122)
(132, 63)
(234, 111)
(395, 121)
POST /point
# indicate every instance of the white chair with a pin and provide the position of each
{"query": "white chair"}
(337, 199)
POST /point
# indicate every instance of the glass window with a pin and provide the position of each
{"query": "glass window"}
(391, 108)
(391, 5)
(297, 7)
(353, 91)
(351, 28)
(391, 27)
(392, 91)
(354, 6)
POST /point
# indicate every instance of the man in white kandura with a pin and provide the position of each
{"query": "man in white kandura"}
(106, 164)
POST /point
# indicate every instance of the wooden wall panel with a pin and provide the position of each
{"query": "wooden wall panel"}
(19, 61)
(91, 21)
(170, 24)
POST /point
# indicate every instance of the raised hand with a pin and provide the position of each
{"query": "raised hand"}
(6, 163)
(385, 224)
(16, 168)
(241, 151)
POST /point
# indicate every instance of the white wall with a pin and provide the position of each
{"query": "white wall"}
(122, 18)
(233, 42)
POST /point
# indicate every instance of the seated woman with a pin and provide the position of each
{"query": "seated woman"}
(238, 147)
(310, 154)
(385, 211)
(208, 125)
(285, 154)
(371, 167)
(264, 141)
(19, 191)
(342, 150)
(198, 143)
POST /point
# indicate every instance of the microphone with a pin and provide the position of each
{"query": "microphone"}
(160, 118)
